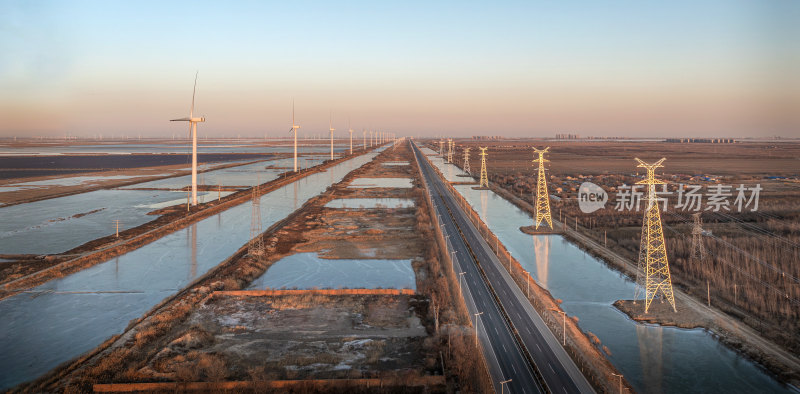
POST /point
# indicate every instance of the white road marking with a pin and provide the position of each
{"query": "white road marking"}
(551, 367)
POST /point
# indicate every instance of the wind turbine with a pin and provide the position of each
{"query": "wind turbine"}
(294, 130)
(351, 136)
(330, 126)
(193, 131)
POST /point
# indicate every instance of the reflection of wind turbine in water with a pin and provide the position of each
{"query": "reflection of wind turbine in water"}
(651, 355)
(193, 135)
(295, 195)
(541, 249)
(193, 244)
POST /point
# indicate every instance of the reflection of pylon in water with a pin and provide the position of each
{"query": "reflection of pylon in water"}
(653, 252)
(698, 249)
(541, 249)
(256, 245)
(484, 177)
(466, 161)
(450, 151)
(542, 197)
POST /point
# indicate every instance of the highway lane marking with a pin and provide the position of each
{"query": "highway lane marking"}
(537, 346)
(551, 367)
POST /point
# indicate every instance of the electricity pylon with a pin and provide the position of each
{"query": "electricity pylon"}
(542, 197)
(484, 178)
(256, 244)
(653, 251)
(698, 249)
(441, 152)
(450, 144)
(466, 161)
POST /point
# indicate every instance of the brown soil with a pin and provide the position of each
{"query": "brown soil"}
(661, 313)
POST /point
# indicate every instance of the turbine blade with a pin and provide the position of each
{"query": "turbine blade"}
(191, 111)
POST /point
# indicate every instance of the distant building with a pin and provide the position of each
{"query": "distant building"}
(568, 136)
(702, 140)
(487, 137)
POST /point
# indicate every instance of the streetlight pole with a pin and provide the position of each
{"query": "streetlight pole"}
(460, 275)
(564, 329)
(477, 316)
(502, 385)
(620, 382)
(528, 282)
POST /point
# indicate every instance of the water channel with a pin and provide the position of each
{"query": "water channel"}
(66, 317)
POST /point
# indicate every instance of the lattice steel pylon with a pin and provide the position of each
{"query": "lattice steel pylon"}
(451, 145)
(484, 177)
(441, 151)
(653, 251)
(542, 196)
(466, 161)
(256, 245)
(698, 249)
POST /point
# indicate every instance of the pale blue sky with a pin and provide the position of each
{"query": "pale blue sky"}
(623, 68)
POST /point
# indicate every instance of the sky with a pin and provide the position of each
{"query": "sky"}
(712, 68)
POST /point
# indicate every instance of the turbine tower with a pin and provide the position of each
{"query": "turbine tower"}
(294, 131)
(193, 131)
(653, 252)
(542, 197)
(351, 136)
(466, 161)
(330, 126)
(484, 176)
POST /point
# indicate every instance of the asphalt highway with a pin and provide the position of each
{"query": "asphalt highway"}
(508, 357)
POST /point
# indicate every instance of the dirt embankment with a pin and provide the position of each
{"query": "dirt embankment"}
(131, 176)
(189, 336)
(34, 270)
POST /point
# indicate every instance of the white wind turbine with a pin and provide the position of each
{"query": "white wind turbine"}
(193, 131)
(330, 126)
(294, 130)
(351, 136)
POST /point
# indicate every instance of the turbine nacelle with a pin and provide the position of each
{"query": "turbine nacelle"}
(193, 120)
